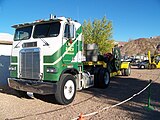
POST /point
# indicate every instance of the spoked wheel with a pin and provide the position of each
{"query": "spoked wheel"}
(66, 89)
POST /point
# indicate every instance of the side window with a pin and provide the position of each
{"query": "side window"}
(69, 31)
(72, 31)
(66, 31)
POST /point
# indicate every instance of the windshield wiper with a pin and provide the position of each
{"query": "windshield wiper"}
(45, 42)
(16, 46)
(24, 38)
(42, 39)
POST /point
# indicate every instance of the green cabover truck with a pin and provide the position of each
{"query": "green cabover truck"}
(48, 58)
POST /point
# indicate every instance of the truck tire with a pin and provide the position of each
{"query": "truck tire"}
(66, 89)
(96, 77)
(122, 72)
(104, 78)
(21, 94)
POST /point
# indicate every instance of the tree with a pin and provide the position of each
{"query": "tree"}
(99, 32)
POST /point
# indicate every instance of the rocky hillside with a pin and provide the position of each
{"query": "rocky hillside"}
(140, 46)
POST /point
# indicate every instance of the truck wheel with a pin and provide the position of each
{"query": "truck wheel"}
(104, 78)
(66, 89)
(127, 71)
(22, 94)
(96, 76)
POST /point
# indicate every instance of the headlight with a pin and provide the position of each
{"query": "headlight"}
(12, 68)
(51, 70)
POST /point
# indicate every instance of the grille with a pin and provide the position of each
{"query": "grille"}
(30, 63)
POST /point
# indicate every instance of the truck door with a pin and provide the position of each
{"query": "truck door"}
(69, 46)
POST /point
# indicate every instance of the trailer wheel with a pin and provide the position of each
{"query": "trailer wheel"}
(127, 71)
(66, 89)
(122, 72)
(104, 78)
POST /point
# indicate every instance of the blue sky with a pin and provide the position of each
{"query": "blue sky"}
(131, 18)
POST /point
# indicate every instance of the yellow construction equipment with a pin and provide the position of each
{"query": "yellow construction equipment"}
(154, 61)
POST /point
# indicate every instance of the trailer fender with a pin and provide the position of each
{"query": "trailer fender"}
(125, 65)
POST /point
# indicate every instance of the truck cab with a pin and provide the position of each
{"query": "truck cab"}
(44, 52)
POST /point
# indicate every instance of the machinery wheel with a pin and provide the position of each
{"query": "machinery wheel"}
(104, 78)
(153, 66)
(66, 89)
(149, 66)
(116, 65)
(117, 59)
(127, 71)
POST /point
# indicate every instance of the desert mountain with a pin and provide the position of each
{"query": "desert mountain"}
(140, 46)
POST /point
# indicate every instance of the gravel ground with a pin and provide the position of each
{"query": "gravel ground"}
(14, 107)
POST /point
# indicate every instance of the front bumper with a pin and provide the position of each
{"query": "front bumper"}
(38, 87)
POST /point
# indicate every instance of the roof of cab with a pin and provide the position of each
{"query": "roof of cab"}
(39, 22)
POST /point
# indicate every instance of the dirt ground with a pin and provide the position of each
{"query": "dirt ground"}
(14, 107)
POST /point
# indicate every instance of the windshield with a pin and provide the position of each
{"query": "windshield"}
(47, 30)
(23, 33)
